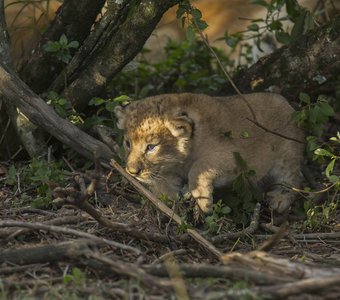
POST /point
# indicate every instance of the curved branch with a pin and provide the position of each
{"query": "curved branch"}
(15, 91)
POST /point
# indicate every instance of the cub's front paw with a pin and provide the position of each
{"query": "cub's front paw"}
(279, 201)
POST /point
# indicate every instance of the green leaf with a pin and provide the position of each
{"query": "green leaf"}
(305, 98)
(109, 106)
(283, 37)
(240, 161)
(253, 27)
(96, 101)
(275, 25)
(334, 178)
(63, 40)
(180, 11)
(202, 25)
(323, 152)
(245, 134)
(190, 34)
(73, 44)
(51, 46)
(326, 109)
(330, 167)
(196, 14)
(122, 98)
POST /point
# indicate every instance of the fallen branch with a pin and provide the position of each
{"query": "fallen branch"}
(312, 285)
(64, 251)
(12, 233)
(69, 231)
(258, 260)
(131, 271)
(236, 273)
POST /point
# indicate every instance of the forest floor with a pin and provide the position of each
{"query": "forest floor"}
(136, 253)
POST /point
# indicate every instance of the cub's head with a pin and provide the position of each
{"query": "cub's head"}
(155, 142)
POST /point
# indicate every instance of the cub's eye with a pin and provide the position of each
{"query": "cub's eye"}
(127, 144)
(150, 147)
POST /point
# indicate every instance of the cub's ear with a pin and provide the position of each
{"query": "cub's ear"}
(120, 115)
(181, 127)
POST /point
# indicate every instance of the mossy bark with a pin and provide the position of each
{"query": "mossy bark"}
(310, 64)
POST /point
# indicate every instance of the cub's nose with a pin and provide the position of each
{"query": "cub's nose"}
(133, 170)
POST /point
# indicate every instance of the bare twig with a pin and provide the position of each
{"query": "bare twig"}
(64, 230)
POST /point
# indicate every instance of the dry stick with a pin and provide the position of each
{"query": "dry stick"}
(116, 226)
(64, 230)
(254, 224)
(166, 210)
(303, 286)
(237, 273)
(130, 270)
(254, 121)
(308, 236)
(12, 233)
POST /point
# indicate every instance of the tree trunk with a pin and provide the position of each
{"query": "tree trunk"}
(74, 18)
(311, 64)
(127, 27)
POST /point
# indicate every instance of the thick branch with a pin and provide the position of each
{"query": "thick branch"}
(310, 64)
(121, 44)
(74, 18)
(18, 93)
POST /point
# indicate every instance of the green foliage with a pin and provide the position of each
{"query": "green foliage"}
(188, 67)
(38, 175)
(333, 158)
(273, 26)
(245, 197)
(313, 116)
(218, 218)
(61, 49)
(77, 277)
(64, 108)
(318, 216)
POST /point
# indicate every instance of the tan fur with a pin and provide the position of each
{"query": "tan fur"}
(194, 137)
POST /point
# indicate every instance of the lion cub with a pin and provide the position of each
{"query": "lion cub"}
(190, 139)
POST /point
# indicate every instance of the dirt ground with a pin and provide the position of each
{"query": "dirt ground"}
(137, 253)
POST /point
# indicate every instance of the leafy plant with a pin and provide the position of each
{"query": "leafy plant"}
(313, 116)
(273, 27)
(77, 277)
(317, 216)
(188, 67)
(327, 154)
(63, 107)
(217, 219)
(61, 49)
(38, 175)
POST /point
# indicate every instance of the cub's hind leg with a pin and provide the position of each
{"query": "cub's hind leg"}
(285, 174)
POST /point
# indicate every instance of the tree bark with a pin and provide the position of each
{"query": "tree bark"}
(127, 29)
(15, 91)
(310, 64)
(74, 18)
(20, 126)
